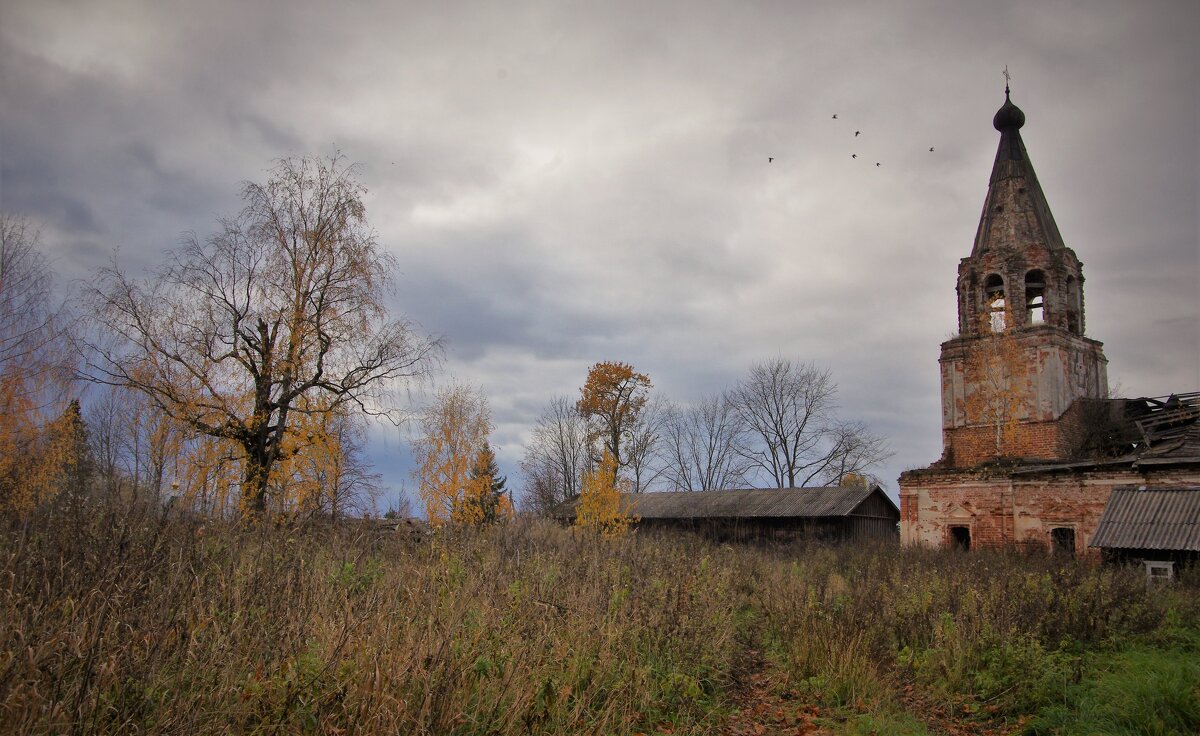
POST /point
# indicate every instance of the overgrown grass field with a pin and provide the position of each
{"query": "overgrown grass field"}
(130, 621)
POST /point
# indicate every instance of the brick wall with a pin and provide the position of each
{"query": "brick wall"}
(1055, 440)
(1020, 510)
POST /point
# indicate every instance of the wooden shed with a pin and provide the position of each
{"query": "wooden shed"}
(826, 514)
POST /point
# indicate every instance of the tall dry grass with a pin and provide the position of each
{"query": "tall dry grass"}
(125, 621)
(129, 620)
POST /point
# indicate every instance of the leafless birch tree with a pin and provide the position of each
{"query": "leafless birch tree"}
(556, 456)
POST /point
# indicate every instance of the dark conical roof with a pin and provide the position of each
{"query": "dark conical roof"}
(1015, 211)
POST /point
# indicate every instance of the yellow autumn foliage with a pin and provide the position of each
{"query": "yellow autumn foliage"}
(36, 362)
(481, 501)
(612, 399)
(600, 507)
(35, 456)
(453, 429)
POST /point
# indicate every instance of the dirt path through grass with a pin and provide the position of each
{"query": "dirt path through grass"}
(762, 710)
(940, 719)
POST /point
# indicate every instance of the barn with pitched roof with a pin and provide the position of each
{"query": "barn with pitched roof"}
(834, 514)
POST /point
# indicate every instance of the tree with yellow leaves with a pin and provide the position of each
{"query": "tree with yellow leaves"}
(322, 470)
(612, 399)
(70, 466)
(38, 463)
(208, 474)
(35, 370)
(854, 480)
(454, 429)
(285, 302)
(600, 506)
(486, 501)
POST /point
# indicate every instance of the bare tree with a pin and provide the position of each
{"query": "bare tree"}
(109, 423)
(286, 300)
(32, 328)
(355, 488)
(644, 466)
(787, 409)
(399, 506)
(556, 457)
(702, 447)
(853, 450)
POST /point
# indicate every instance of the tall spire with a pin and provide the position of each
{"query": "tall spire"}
(1015, 213)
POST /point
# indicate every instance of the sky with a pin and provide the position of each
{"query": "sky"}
(564, 183)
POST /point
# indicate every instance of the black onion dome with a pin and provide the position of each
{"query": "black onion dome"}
(1008, 116)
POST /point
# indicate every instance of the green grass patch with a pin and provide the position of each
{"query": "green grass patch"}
(1143, 689)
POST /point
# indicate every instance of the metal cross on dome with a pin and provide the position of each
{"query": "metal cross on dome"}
(1007, 77)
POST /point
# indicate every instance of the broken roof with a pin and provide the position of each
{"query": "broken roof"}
(1161, 430)
(1170, 428)
(1150, 518)
(748, 503)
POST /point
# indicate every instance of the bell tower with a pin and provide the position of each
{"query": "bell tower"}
(1020, 358)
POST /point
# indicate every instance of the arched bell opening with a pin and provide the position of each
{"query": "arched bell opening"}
(1035, 298)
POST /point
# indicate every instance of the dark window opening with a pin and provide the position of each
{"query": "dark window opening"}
(993, 290)
(1062, 541)
(1035, 297)
(960, 538)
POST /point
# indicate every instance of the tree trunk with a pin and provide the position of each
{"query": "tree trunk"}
(254, 484)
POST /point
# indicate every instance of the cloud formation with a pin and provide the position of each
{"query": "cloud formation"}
(564, 183)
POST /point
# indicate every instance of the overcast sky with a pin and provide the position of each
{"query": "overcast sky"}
(565, 183)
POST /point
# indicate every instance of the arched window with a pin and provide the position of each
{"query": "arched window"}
(993, 299)
(1074, 307)
(1035, 297)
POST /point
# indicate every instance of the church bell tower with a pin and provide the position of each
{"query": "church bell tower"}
(1020, 358)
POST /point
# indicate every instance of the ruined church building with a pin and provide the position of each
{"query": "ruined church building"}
(1033, 448)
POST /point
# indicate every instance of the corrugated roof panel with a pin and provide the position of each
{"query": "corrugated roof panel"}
(1162, 518)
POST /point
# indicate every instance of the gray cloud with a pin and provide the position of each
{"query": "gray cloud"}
(563, 183)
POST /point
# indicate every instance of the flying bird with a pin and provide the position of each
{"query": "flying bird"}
(835, 116)
(854, 155)
(876, 163)
(857, 133)
(772, 158)
(931, 148)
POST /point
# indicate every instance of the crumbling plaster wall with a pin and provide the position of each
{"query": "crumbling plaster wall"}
(1060, 369)
(1003, 510)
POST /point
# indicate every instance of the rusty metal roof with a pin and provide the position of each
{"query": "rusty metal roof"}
(1150, 518)
(748, 503)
